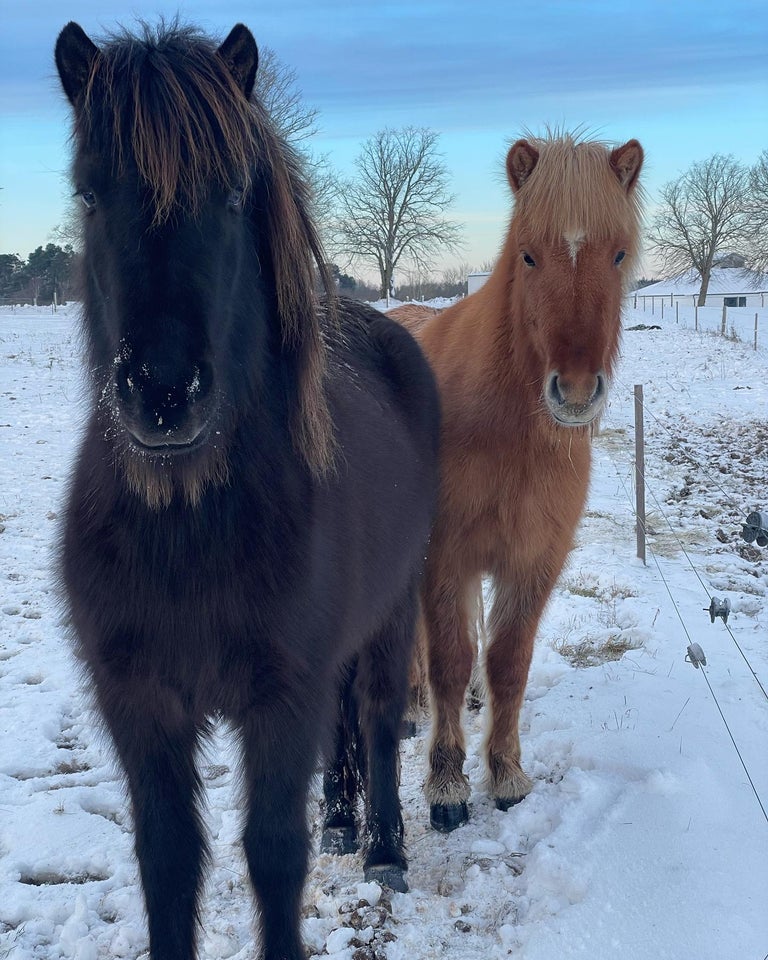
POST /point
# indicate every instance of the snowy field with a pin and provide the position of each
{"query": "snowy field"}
(643, 838)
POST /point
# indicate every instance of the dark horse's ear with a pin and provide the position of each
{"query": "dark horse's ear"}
(75, 53)
(241, 55)
(521, 160)
(626, 162)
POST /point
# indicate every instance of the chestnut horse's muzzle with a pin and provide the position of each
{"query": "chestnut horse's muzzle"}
(575, 402)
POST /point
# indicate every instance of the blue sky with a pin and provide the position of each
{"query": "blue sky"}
(688, 79)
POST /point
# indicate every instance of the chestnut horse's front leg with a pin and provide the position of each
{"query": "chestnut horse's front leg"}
(451, 654)
(519, 602)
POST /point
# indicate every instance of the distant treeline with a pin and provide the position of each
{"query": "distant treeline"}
(49, 274)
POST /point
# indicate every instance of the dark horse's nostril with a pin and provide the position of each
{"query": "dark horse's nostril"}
(200, 383)
(124, 383)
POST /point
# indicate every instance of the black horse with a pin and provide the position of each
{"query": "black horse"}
(254, 490)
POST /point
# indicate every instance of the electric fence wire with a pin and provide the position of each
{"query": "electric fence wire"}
(706, 589)
(646, 409)
(690, 641)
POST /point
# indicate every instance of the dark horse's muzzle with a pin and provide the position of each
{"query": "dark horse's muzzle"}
(165, 410)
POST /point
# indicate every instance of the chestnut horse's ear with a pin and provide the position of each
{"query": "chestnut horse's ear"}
(626, 162)
(75, 53)
(521, 160)
(241, 55)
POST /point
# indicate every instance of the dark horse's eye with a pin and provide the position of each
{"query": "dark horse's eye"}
(89, 199)
(235, 197)
(619, 257)
(528, 260)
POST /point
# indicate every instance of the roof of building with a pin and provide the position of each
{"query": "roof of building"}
(723, 280)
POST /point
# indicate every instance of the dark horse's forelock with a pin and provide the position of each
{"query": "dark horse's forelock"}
(169, 105)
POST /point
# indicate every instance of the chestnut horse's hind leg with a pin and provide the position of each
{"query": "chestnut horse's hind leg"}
(381, 690)
(156, 745)
(418, 682)
(451, 655)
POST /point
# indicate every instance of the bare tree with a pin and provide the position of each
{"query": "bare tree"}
(69, 229)
(276, 89)
(391, 213)
(756, 240)
(701, 212)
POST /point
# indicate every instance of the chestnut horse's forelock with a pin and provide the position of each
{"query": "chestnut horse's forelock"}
(170, 104)
(574, 192)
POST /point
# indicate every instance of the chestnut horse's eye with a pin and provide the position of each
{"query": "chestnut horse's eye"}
(528, 260)
(89, 198)
(619, 257)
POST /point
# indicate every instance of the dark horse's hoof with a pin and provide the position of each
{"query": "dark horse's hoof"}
(339, 840)
(388, 875)
(408, 729)
(504, 803)
(445, 817)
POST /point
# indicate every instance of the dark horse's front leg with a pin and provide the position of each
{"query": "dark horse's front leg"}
(156, 742)
(280, 746)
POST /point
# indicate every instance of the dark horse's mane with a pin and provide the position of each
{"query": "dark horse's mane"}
(168, 104)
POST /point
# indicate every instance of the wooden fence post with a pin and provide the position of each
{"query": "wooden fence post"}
(640, 471)
(725, 316)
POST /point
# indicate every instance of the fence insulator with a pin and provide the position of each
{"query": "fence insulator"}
(696, 656)
(719, 608)
(756, 528)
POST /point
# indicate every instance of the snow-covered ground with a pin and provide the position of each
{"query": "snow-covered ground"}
(643, 838)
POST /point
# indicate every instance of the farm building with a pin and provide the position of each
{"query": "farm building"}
(476, 280)
(730, 286)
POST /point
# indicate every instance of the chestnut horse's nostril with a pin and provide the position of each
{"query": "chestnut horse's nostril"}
(553, 392)
(600, 388)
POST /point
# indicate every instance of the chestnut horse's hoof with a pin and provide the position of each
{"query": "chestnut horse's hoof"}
(387, 875)
(339, 841)
(504, 803)
(445, 817)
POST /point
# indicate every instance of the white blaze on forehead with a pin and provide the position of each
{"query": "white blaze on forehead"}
(574, 239)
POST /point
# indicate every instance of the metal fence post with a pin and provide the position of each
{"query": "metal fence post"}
(640, 471)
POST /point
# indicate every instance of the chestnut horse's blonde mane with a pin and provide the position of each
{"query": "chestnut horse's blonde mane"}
(168, 103)
(574, 191)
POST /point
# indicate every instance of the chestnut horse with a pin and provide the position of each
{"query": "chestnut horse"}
(523, 367)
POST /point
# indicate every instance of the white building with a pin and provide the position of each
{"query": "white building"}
(476, 280)
(728, 286)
